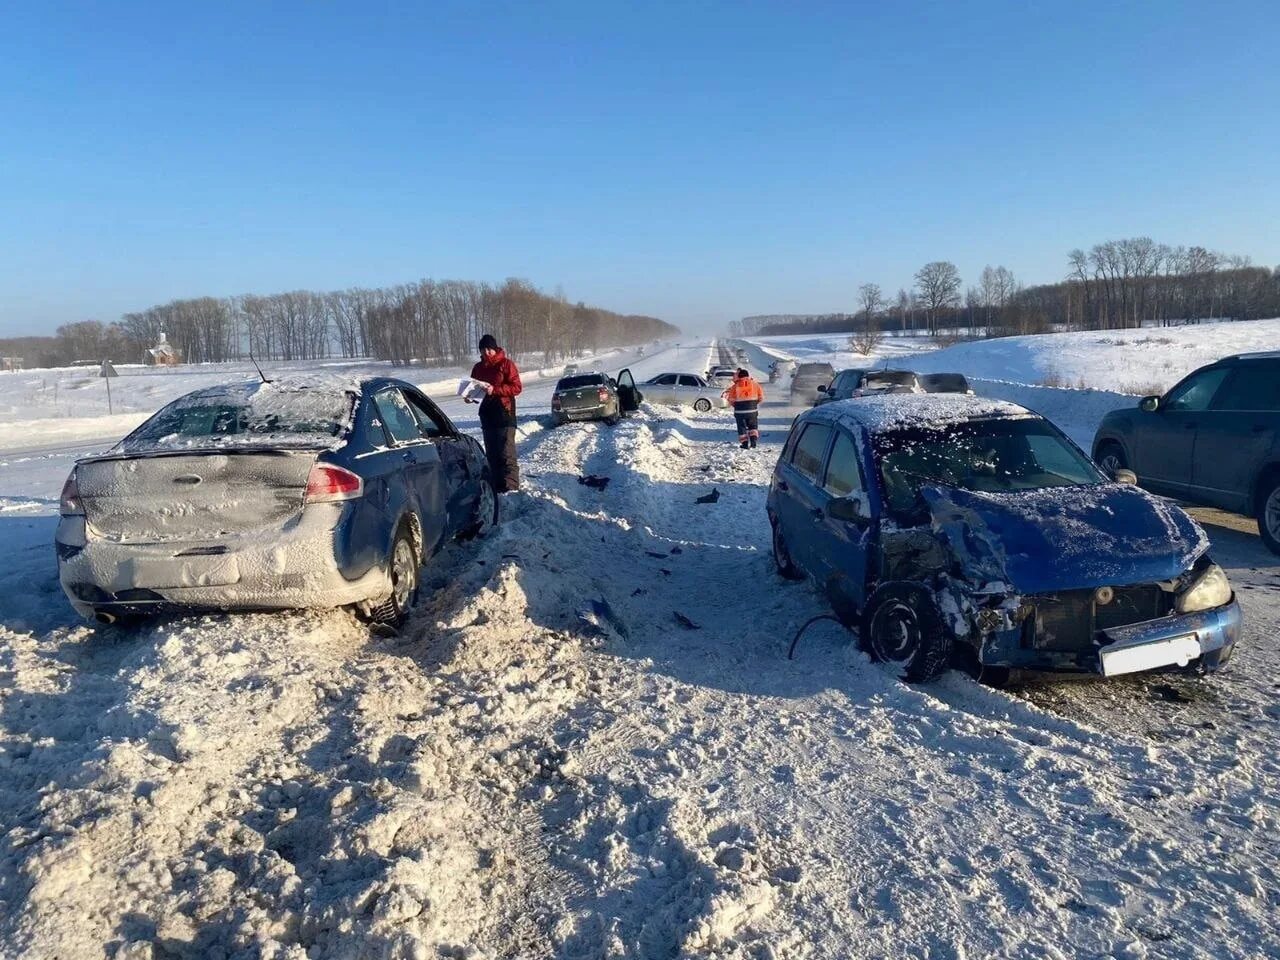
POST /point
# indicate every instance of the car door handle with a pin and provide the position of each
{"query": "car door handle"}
(407, 455)
(817, 513)
(783, 485)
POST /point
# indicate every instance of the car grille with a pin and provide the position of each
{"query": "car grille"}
(1070, 620)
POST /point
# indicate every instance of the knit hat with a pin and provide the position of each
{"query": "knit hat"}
(488, 342)
(742, 373)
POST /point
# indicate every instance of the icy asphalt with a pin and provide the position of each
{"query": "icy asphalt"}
(523, 773)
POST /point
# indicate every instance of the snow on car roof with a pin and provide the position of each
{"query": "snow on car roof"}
(891, 411)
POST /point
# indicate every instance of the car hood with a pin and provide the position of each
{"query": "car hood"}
(1065, 538)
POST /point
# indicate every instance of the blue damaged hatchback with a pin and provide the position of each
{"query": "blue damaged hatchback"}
(305, 492)
(937, 522)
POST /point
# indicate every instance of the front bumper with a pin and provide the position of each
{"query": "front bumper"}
(292, 568)
(1155, 644)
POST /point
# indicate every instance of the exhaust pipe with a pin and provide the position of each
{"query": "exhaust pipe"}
(103, 617)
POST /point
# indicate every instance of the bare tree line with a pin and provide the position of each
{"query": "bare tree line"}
(1114, 285)
(431, 321)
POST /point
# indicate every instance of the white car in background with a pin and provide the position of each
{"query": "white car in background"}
(683, 390)
(721, 374)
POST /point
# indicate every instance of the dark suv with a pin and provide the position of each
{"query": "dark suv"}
(1213, 439)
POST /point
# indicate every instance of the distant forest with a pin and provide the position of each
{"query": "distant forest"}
(1117, 284)
(428, 321)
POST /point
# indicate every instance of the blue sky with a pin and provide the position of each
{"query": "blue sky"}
(694, 161)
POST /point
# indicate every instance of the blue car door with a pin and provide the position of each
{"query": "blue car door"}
(841, 545)
(420, 465)
(800, 498)
(462, 474)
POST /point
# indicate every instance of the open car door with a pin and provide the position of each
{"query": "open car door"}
(629, 396)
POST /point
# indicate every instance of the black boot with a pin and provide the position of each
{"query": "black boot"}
(743, 444)
(753, 443)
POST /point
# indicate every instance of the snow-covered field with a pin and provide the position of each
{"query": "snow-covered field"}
(588, 742)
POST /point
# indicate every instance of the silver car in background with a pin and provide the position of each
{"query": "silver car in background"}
(684, 390)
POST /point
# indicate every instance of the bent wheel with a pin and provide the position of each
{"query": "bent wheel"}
(902, 627)
(487, 511)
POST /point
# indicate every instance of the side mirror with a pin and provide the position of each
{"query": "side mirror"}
(825, 388)
(1125, 476)
(848, 509)
(1149, 404)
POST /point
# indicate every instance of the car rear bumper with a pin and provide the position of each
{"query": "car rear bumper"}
(286, 569)
(597, 412)
(1202, 641)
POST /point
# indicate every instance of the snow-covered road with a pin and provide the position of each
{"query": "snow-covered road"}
(588, 742)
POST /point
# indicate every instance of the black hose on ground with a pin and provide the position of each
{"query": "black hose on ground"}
(791, 654)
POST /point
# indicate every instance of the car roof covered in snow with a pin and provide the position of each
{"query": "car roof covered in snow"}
(244, 389)
(893, 411)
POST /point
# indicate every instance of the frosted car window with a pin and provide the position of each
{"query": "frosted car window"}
(1195, 394)
(247, 414)
(808, 454)
(397, 417)
(843, 476)
(1252, 388)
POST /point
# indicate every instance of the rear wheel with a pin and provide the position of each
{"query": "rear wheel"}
(1111, 458)
(702, 404)
(902, 627)
(1269, 512)
(403, 566)
(787, 568)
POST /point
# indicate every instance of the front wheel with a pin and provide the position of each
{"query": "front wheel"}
(1111, 458)
(903, 627)
(1269, 513)
(486, 513)
(702, 404)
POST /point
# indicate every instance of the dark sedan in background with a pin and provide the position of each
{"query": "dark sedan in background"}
(298, 493)
(1214, 439)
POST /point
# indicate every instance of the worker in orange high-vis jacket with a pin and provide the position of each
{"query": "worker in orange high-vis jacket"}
(746, 396)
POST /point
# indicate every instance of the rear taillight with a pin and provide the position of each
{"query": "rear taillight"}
(328, 483)
(603, 394)
(555, 402)
(70, 505)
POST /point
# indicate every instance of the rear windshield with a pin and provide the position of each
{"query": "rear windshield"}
(815, 370)
(899, 378)
(945, 382)
(992, 456)
(247, 415)
(585, 380)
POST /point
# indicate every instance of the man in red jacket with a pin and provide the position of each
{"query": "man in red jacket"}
(498, 413)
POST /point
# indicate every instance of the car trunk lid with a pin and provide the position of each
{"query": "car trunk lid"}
(580, 397)
(193, 496)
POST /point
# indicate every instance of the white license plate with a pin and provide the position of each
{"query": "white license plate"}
(158, 573)
(1180, 650)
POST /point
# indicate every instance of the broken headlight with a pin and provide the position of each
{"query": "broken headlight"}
(1209, 591)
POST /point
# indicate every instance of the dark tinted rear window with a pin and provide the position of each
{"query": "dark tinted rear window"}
(1254, 386)
(585, 380)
